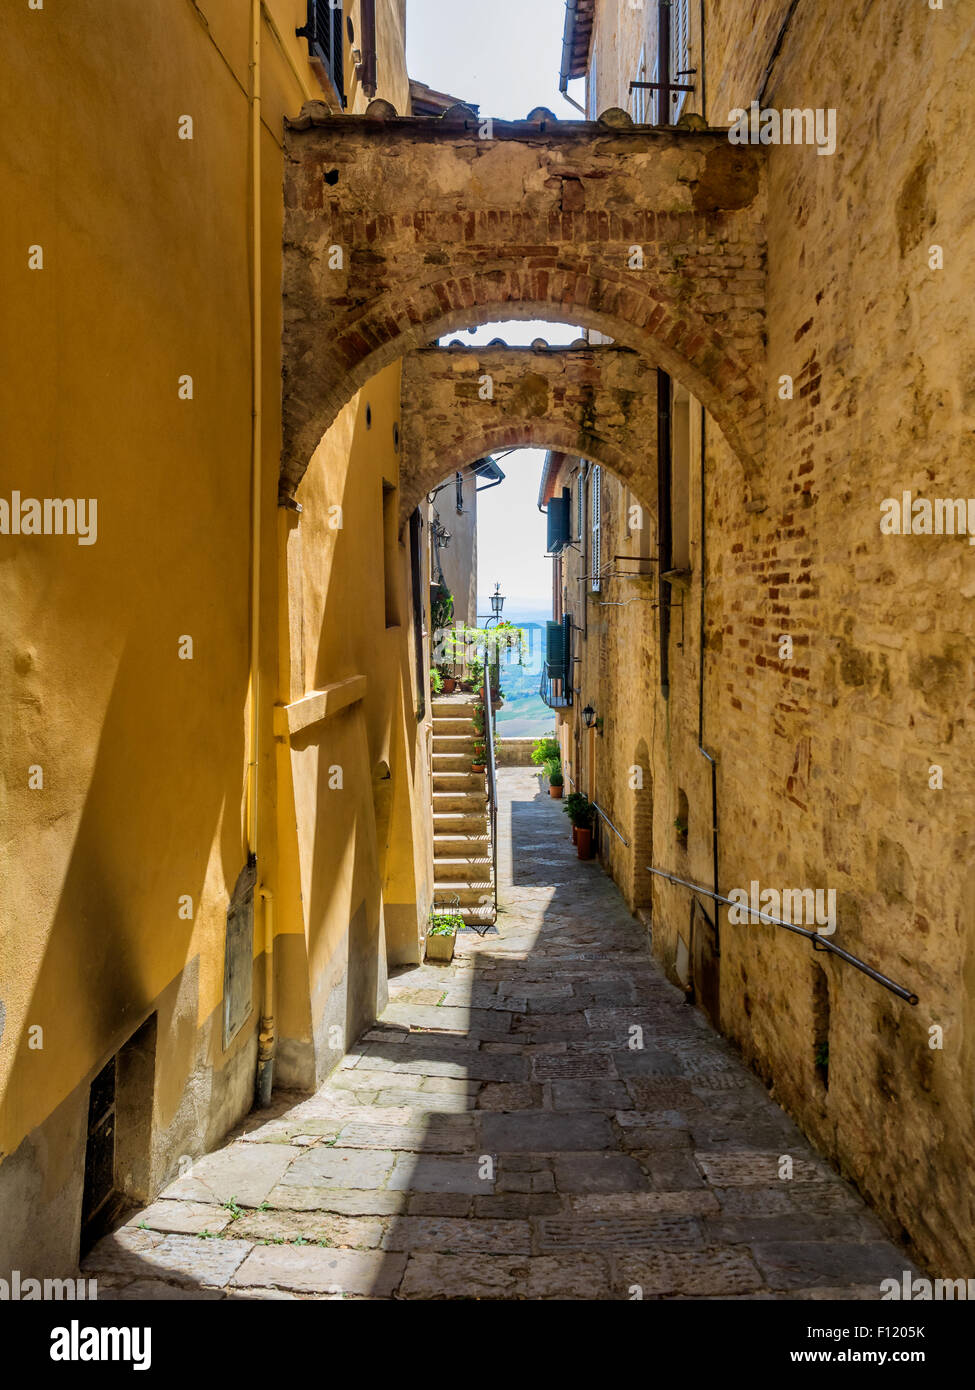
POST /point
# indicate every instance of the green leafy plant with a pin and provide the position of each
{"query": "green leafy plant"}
(436, 681)
(555, 775)
(545, 751)
(441, 608)
(479, 754)
(680, 826)
(444, 924)
(477, 719)
(231, 1205)
(822, 1056)
(579, 809)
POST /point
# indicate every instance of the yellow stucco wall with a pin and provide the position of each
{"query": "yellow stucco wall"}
(146, 278)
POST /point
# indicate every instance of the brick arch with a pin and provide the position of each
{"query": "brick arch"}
(554, 438)
(595, 402)
(437, 232)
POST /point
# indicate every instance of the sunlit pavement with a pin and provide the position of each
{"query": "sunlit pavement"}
(501, 1133)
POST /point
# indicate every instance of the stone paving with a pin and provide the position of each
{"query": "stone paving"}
(496, 1135)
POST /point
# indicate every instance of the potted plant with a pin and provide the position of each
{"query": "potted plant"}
(480, 757)
(442, 935)
(579, 809)
(475, 676)
(556, 780)
(436, 681)
(447, 678)
(545, 750)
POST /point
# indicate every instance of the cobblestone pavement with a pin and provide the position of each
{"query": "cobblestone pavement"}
(495, 1136)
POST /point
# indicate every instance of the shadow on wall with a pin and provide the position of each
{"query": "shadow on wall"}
(166, 768)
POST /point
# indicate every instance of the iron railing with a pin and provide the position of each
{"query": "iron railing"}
(492, 783)
(557, 694)
(603, 816)
(820, 942)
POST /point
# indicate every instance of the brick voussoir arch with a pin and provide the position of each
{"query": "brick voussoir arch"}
(557, 438)
(462, 403)
(400, 230)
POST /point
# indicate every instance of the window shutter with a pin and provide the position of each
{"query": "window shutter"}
(581, 505)
(559, 521)
(324, 32)
(679, 51)
(596, 527)
(555, 651)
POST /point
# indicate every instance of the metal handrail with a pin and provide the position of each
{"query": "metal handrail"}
(600, 812)
(820, 942)
(492, 782)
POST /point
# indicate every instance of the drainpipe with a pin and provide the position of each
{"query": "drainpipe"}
(700, 686)
(263, 909)
(265, 1038)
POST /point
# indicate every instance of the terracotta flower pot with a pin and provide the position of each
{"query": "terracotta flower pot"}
(478, 767)
(575, 834)
(583, 842)
(449, 685)
(555, 789)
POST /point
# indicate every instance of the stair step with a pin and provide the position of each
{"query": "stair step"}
(468, 803)
(470, 893)
(452, 762)
(456, 708)
(480, 916)
(471, 871)
(458, 781)
(474, 844)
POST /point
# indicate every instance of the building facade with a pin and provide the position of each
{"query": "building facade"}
(216, 786)
(779, 683)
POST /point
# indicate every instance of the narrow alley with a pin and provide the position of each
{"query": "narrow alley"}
(544, 1118)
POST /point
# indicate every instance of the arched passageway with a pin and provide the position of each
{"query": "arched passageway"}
(460, 404)
(398, 230)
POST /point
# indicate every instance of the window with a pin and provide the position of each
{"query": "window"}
(459, 485)
(580, 505)
(596, 526)
(323, 30)
(390, 555)
(638, 98)
(680, 60)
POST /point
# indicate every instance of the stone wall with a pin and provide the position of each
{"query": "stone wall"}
(460, 404)
(399, 230)
(824, 756)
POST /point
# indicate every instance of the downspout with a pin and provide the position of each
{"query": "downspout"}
(700, 685)
(263, 908)
(571, 6)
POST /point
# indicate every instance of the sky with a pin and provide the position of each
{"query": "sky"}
(504, 57)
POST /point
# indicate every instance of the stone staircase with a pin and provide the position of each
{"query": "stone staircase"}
(461, 828)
